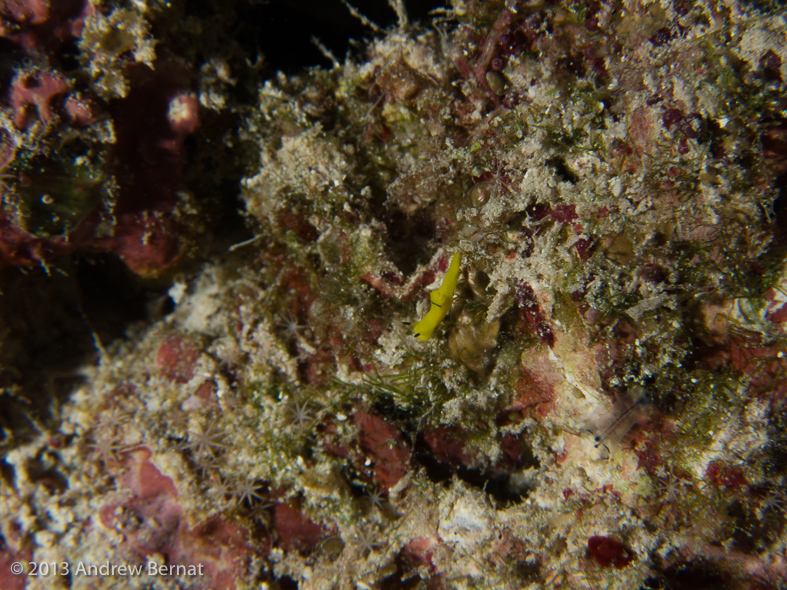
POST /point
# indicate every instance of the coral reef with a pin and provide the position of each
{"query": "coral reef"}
(605, 403)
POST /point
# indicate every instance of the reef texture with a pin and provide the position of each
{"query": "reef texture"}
(93, 123)
(605, 404)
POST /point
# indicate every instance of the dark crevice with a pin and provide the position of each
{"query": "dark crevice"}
(53, 324)
(15, 416)
(695, 575)
(46, 339)
(409, 238)
(562, 170)
(780, 214)
(287, 583)
(496, 480)
(7, 476)
(69, 56)
(51, 479)
(112, 297)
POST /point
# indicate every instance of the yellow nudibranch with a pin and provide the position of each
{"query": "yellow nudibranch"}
(441, 298)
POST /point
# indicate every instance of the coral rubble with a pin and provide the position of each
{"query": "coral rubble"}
(605, 404)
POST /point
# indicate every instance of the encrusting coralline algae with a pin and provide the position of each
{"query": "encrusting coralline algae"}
(604, 405)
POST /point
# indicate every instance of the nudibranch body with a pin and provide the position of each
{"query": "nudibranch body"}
(441, 301)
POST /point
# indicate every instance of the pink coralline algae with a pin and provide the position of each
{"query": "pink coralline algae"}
(149, 232)
(35, 93)
(40, 25)
(608, 551)
(152, 522)
(447, 447)
(295, 532)
(12, 552)
(729, 477)
(534, 397)
(382, 443)
(176, 359)
(18, 248)
(155, 119)
(127, 154)
(153, 508)
(420, 552)
(150, 242)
